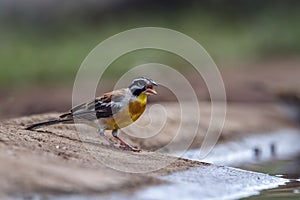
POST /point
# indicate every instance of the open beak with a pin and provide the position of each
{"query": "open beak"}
(151, 91)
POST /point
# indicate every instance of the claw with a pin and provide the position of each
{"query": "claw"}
(130, 148)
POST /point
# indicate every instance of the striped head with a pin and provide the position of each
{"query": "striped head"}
(142, 85)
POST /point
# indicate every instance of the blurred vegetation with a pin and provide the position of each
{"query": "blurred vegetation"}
(41, 43)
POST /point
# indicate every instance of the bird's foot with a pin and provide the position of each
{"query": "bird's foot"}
(124, 147)
(129, 148)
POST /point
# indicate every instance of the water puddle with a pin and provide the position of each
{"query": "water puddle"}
(274, 153)
(256, 148)
(289, 191)
(288, 168)
(211, 182)
(205, 182)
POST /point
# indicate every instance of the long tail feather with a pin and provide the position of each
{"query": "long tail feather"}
(47, 123)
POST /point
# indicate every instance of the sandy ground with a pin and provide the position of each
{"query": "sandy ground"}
(60, 160)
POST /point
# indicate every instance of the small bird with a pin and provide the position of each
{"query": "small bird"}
(111, 111)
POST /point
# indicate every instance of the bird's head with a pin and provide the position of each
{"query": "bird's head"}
(142, 86)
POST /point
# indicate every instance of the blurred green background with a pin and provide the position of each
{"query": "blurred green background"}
(44, 42)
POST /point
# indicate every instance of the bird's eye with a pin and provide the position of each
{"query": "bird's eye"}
(149, 86)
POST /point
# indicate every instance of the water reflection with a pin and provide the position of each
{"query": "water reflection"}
(288, 168)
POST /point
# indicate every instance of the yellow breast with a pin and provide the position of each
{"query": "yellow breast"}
(136, 108)
(127, 115)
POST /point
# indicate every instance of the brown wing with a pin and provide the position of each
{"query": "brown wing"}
(101, 107)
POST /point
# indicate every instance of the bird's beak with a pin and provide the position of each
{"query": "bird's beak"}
(151, 91)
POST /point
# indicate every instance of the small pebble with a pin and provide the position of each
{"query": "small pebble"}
(57, 146)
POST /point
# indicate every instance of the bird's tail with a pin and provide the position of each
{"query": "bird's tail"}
(47, 123)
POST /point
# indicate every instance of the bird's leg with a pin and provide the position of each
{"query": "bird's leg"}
(101, 132)
(126, 145)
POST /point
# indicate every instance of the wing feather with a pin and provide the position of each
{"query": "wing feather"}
(101, 107)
